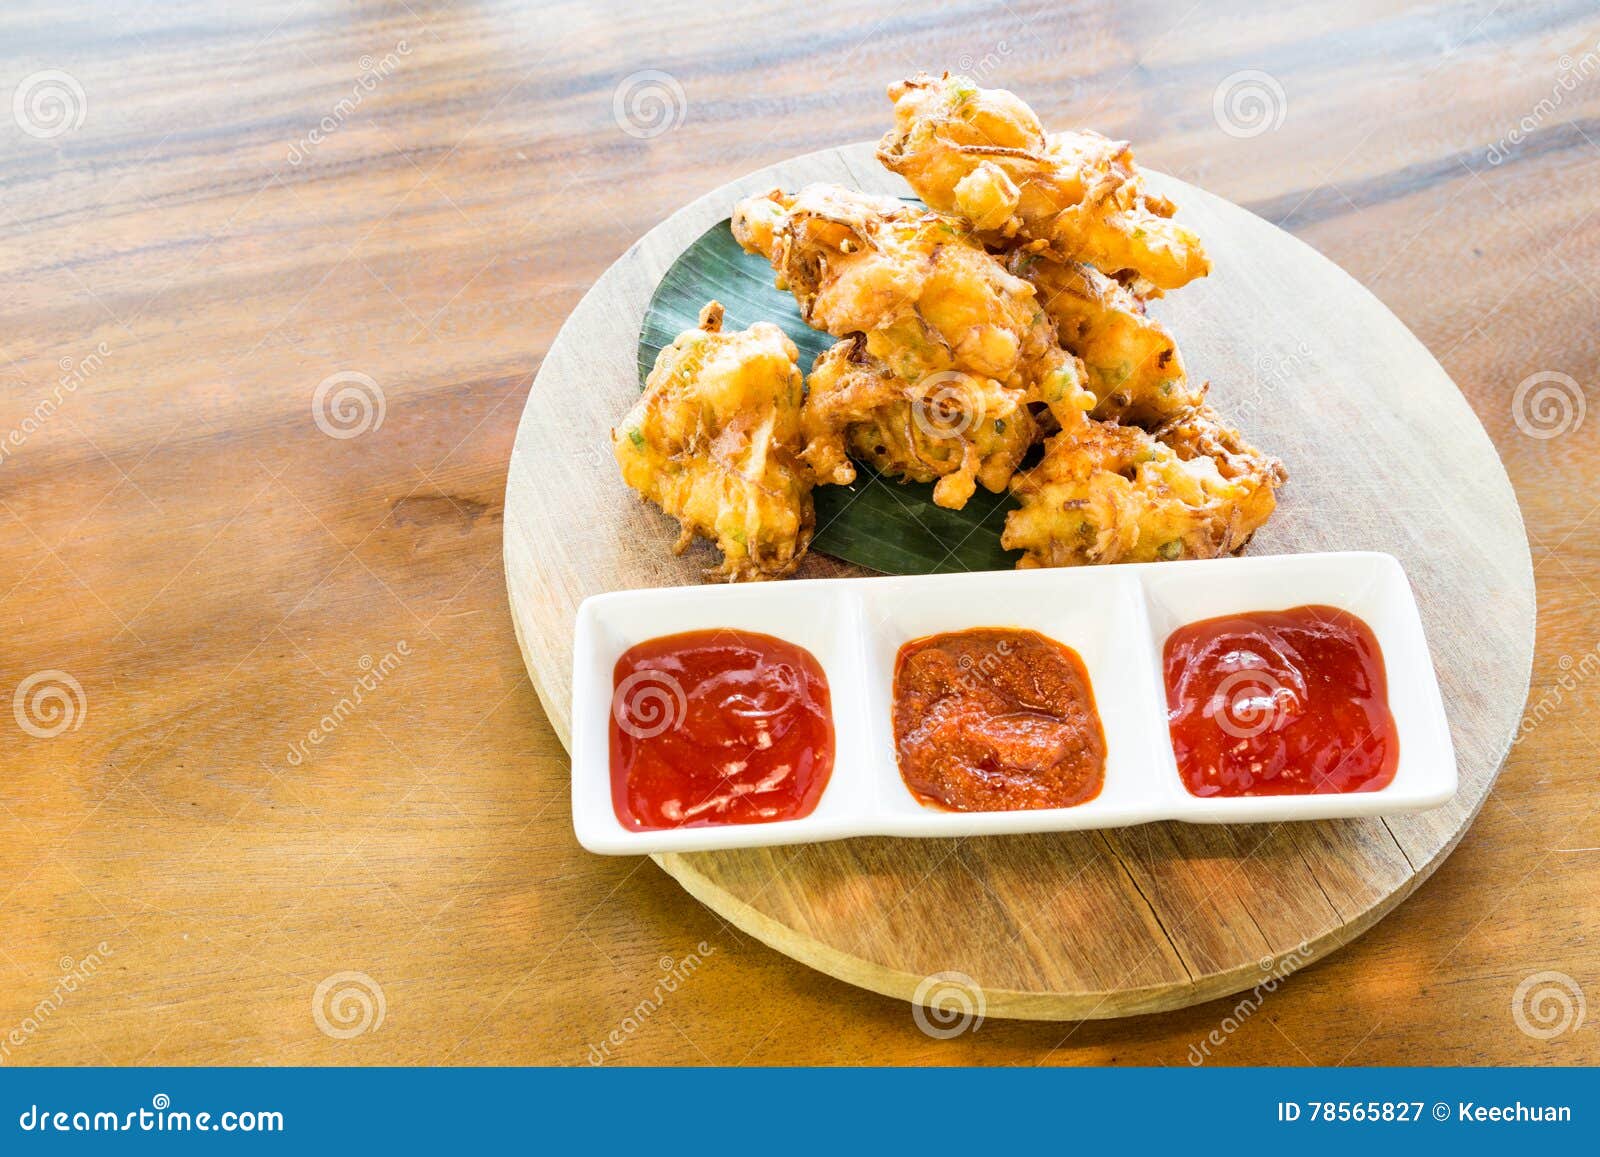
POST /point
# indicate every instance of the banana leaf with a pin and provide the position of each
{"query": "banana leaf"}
(878, 523)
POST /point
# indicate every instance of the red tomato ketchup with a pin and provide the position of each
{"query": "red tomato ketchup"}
(1280, 703)
(718, 727)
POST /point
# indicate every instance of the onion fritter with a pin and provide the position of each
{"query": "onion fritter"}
(1109, 493)
(927, 296)
(952, 429)
(982, 155)
(715, 442)
(1132, 362)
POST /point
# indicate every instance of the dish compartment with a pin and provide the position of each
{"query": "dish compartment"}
(823, 617)
(1369, 585)
(1098, 612)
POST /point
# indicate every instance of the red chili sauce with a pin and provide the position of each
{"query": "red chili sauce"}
(996, 720)
(1280, 703)
(718, 727)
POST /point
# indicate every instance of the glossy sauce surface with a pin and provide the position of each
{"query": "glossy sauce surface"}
(996, 719)
(1280, 703)
(718, 727)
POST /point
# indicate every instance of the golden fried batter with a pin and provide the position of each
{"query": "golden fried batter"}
(982, 155)
(1110, 493)
(926, 295)
(1132, 362)
(715, 442)
(952, 429)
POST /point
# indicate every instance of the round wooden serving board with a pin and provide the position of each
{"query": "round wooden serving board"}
(1383, 454)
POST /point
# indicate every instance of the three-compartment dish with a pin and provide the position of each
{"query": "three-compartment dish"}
(1118, 620)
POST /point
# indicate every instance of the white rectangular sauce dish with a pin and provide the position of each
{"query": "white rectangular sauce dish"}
(1117, 618)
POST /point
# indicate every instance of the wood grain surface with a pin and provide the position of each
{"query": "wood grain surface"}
(1086, 925)
(226, 210)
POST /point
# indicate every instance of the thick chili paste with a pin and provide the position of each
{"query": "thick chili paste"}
(996, 719)
(1280, 703)
(718, 727)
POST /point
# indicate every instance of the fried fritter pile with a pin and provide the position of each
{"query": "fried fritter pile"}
(1111, 493)
(715, 441)
(1011, 310)
(919, 287)
(1131, 361)
(944, 352)
(1152, 472)
(951, 429)
(982, 155)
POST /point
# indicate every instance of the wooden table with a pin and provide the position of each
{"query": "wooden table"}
(277, 286)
